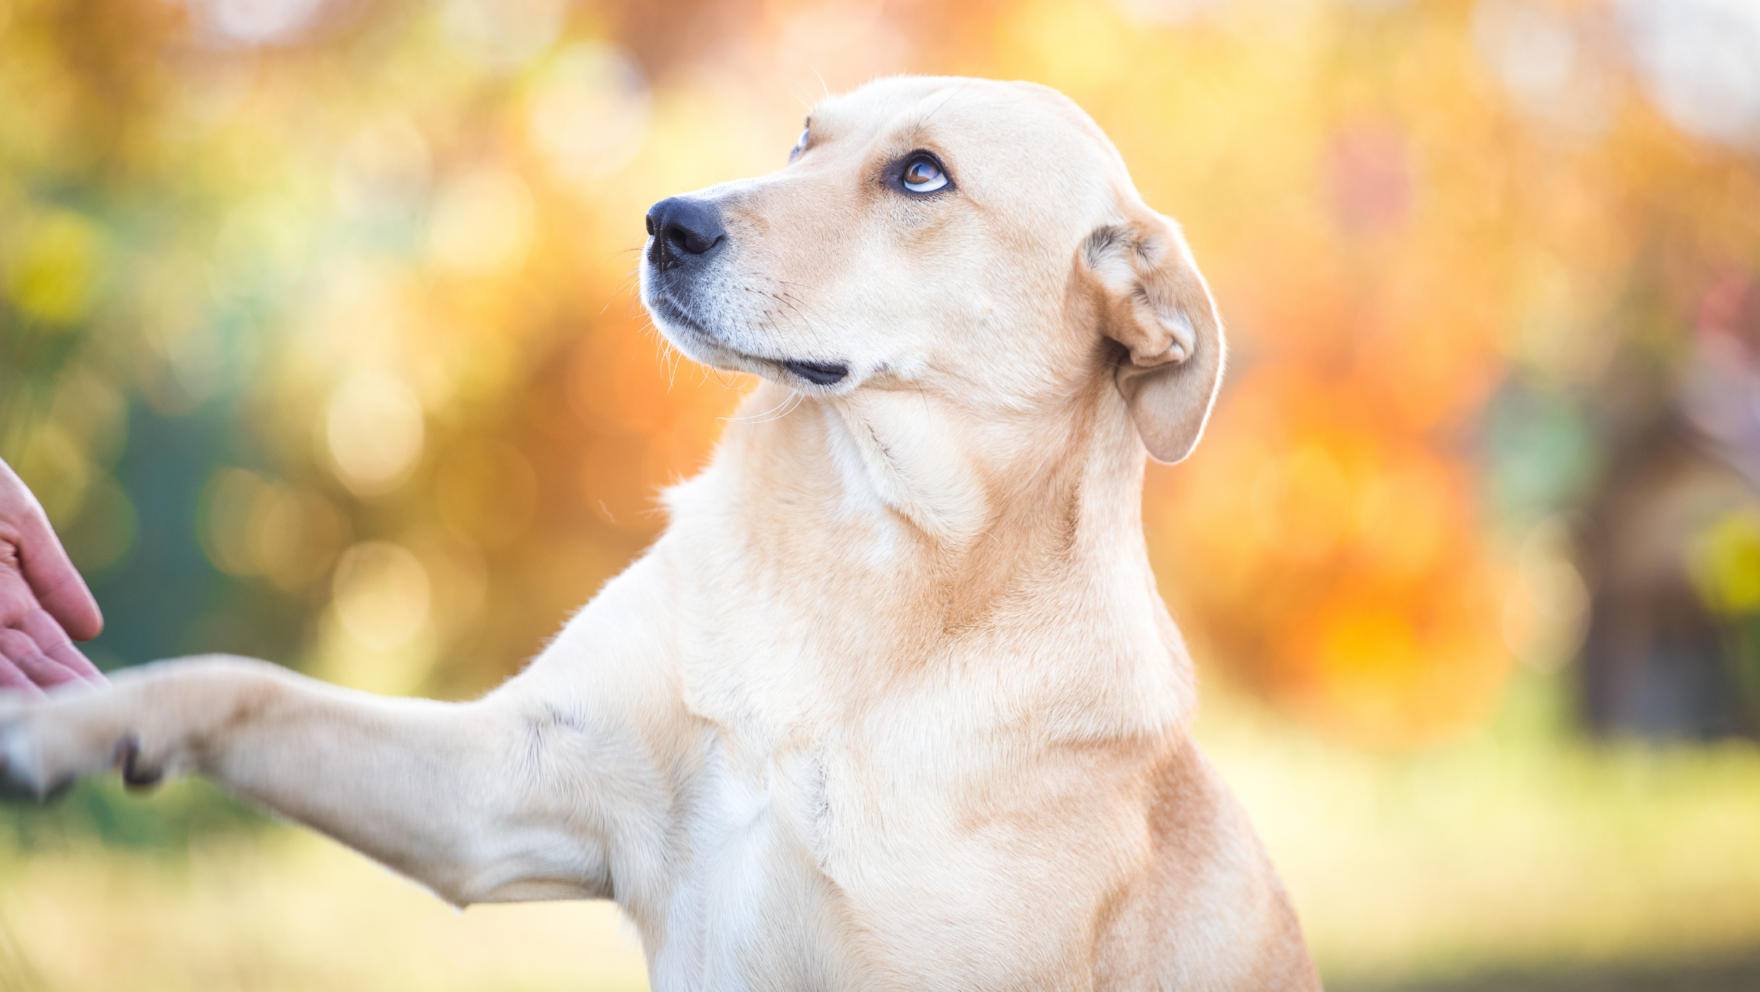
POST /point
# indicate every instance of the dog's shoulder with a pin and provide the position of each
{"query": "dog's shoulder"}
(1208, 910)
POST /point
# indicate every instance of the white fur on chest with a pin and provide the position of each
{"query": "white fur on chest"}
(737, 875)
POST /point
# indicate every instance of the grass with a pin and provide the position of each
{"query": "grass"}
(283, 911)
(1521, 848)
(1521, 851)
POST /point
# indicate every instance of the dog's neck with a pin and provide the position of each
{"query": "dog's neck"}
(892, 534)
(951, 475)
(958, 511)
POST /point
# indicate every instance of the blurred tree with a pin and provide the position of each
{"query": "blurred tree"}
(317, 335)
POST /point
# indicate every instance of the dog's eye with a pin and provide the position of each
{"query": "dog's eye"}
(923, 175)
(799, 146)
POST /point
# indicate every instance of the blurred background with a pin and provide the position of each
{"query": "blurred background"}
(318, 340)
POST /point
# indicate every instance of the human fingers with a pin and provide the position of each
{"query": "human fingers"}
(17, 508)
(59, 587)
(27, 656)
(28, 545)
(16, 598)
(54, 642)
(14, 681)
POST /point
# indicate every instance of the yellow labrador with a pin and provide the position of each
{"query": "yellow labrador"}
(893, 703)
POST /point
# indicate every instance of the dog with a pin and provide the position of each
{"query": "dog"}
(893, 703)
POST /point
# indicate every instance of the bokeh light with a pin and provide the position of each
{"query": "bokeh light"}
(318, 337)
(381, 255)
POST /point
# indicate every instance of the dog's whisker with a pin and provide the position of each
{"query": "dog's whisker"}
(792, 404)
(761, 418)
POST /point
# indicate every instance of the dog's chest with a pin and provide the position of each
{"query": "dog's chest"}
(798, 856)
(754, 839)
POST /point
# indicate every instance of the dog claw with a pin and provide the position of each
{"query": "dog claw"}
(16, 787)
(14, 791)
(135, 776)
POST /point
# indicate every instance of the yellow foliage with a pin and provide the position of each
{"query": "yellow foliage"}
(53, 277)
(404, 249)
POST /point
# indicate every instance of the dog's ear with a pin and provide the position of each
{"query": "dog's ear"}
(1147, 295)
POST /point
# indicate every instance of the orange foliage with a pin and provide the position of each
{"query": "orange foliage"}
(447, 198)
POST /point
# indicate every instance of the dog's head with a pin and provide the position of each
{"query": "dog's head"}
(975, 239)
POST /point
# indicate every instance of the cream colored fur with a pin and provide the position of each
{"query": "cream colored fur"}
(893, 703)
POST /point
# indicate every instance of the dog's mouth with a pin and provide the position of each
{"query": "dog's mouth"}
(671, 312)
(818, 373)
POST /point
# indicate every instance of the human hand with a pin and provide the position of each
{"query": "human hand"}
(43, 599)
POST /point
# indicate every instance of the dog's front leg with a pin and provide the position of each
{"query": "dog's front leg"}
(450, 794)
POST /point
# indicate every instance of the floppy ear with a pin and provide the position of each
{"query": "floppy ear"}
(1149, 297)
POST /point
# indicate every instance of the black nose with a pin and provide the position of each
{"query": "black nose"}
(684, 231)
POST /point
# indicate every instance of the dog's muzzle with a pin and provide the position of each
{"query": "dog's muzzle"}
(686, 237)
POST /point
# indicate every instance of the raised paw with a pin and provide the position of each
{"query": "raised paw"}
(48, 743)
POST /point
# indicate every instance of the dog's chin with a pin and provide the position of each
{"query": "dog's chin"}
(704, 345)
